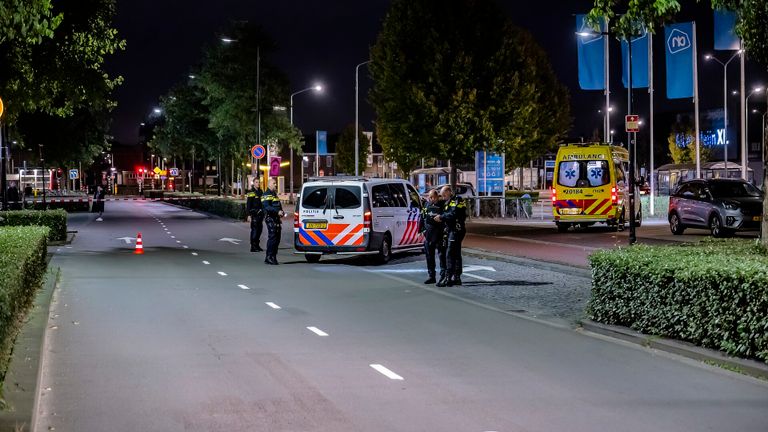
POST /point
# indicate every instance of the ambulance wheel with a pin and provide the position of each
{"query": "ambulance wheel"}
(562, 227)
(312, 258)
(385, 251)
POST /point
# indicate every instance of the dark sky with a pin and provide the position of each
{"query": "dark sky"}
(322, 41)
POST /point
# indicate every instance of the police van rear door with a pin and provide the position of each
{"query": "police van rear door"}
(331, 215)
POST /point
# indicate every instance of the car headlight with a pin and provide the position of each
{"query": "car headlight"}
(731, 206)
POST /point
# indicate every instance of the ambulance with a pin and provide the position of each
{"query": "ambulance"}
(357, 216)
(591, 185)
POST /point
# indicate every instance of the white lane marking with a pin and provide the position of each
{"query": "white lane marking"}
(272, 305)
(194, 253)
(386, 372)
(473, 268)
(206, 263)
(317, 331)
(185, 247)
(230, 240)
(178, 241)
(241, 286)
(480, 278)
(221, 273)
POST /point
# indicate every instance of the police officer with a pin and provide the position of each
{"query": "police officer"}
(433, 235)
(454, 216)
(255, 214)
(273, 212)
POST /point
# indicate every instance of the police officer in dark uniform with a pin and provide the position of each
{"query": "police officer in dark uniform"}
(273, 211)
(454, 216)
(255, 214)
(433, 236)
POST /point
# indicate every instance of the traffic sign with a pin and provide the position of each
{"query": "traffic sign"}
(632, 122)
(73, 174)
(2, 108)
(258, 151)
(174, 172)
(156, 170)
(274, 166)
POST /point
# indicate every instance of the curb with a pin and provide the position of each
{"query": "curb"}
(543, 265)
(685, 349)
(23, 378)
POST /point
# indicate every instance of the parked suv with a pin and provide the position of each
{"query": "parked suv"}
(721, 205)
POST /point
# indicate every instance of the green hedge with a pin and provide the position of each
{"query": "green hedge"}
(713, 294)
(56, 220)
(225, 207)
(22, 267)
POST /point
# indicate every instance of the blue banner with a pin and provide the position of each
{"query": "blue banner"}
(322, 142)
(725, 30)
(639, 62)
(489, 169)
(591, 56)
(679, 48)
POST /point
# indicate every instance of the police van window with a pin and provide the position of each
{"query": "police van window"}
(381, 197)
(569, 173)
(347, 197)
(398, 195)
(415, 198)
(314, 197)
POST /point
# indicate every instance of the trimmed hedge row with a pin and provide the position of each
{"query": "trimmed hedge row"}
(713, 294)
(225, 207)
(22, 268)
(55, 220)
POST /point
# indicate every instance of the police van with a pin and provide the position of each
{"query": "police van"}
(357, 216)
(591, 185)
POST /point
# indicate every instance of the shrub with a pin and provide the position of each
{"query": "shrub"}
(22, 267)
(713, 294)
(56, 220)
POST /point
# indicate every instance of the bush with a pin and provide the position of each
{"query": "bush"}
(713, 294)
(22, 267)
(225, 207)
(56, 220)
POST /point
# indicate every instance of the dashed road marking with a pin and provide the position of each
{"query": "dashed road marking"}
(480, 278)
(178, 241)
(272, 305)
(317, 331)
(221, 273)
(386, 372)
(194, 253)
(206, 263)
(241, 286)
(185, 247)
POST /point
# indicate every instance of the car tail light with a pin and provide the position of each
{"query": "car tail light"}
(614, 196)
(554, 195)
(367, 218)
(296, 224)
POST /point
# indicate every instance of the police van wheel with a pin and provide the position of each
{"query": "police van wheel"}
(312, 258)
(562, 227)
(385, 251)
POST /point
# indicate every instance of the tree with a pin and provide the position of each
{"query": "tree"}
(184, 129)
(751, 26)
(687, 153)
(473, 81)
(228, 77)
(345, 151)
(27, 21)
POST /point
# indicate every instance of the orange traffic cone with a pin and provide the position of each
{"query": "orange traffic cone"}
(139, 246)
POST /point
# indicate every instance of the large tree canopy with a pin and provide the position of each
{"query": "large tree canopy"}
(345, 151)
(452, 77)
(27, 21)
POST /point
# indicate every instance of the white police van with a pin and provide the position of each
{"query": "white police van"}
(357, 216)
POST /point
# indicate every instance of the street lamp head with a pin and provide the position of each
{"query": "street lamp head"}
(613, 131)
(227, 40)
(141, 124)
(757, 89)
(583, 34)
(192, 76)
(708, 57)
(734, 92)
(610, 109)
(157, 111)
(318, 88)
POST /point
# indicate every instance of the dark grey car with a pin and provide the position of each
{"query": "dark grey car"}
(723, 206)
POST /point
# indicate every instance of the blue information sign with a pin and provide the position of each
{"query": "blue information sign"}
(322, 143)
(490, 171)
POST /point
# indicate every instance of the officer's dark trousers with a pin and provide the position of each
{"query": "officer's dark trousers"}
(433, 246)
(273, 228)
(454, 253)
(257, 225)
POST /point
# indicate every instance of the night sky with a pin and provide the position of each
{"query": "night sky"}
(323, 41)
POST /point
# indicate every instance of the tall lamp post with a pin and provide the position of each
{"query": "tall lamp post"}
(744, 149)
(317, 88)
(357, 122)
(725, 101)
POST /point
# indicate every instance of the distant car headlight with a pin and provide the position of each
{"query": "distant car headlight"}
(731, 205)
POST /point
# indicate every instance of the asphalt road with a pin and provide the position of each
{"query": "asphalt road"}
(198, 334)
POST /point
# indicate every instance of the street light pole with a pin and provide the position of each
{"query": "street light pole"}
(725, 103)
(317, 88)
(357, 122)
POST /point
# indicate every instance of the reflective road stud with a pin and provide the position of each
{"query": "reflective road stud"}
(139, 246)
